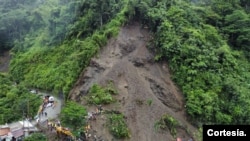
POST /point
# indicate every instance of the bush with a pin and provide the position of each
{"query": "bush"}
(100, 95)
(149, 102)
(117, 126)
(167, 121)
(73, 115)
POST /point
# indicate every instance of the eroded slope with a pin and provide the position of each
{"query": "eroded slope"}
(127, 62)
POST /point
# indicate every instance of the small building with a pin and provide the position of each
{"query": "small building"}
(17, 131)
(28, 127)
(5, 133)
(4, 130)
(18, 134)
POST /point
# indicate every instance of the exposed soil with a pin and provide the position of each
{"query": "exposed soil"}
(4, 61)
(127, 62)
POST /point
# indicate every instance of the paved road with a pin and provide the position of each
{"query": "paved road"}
(52, 111)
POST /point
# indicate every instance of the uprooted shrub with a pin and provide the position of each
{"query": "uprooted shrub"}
(167, 122)
(101, 95)
(117, 125)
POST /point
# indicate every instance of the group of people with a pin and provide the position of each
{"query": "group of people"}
(92, 115)
(48, 101)
(52, 125)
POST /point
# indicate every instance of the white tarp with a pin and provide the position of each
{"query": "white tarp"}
(51, 98)
(49, 105)
(26, 124)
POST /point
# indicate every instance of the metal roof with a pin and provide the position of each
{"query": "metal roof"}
(17, 133)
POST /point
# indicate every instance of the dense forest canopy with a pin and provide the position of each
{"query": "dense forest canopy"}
(207, 50)
(16, 102)
(205, 42)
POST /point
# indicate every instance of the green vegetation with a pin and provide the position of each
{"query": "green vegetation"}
(117, 125)
(167, 122)
(52, 41)
(149, 102)
(55, 67)
(36, 137)
(206, 44)
(16, 102)
(73, 115)
(101, 95)
(199, 40)
(198, 134)
(28, 23)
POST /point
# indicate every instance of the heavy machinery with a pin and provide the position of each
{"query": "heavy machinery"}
(63, 133)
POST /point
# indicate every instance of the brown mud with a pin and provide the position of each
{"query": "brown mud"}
(127, 62)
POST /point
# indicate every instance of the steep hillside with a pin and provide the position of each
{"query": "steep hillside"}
(205, 44)
(128, 63)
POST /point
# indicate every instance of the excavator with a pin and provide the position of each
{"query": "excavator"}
(65, 133)
(62, 132)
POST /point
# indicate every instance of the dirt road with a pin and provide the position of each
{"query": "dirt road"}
(52, 111)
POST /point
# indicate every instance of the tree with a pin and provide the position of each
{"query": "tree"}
(73, 115)
(16, 101)
(5, 43)
(192, 39)
(237, 28)
(245, 4)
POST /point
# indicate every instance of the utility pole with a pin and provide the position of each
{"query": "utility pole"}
(2, 118)
(23, 120)
(28, 108)
(28, 122)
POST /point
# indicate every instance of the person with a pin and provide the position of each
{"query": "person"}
(90, 115)
(45, 113)
(48, 124)
(87, 128)
(51, 126)
(37, 120)
(99, 109)
(83, 135)
(36, 116)
(49, 105)
(93, 116)
(58, 123)
(178, 139)
(54, 104)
